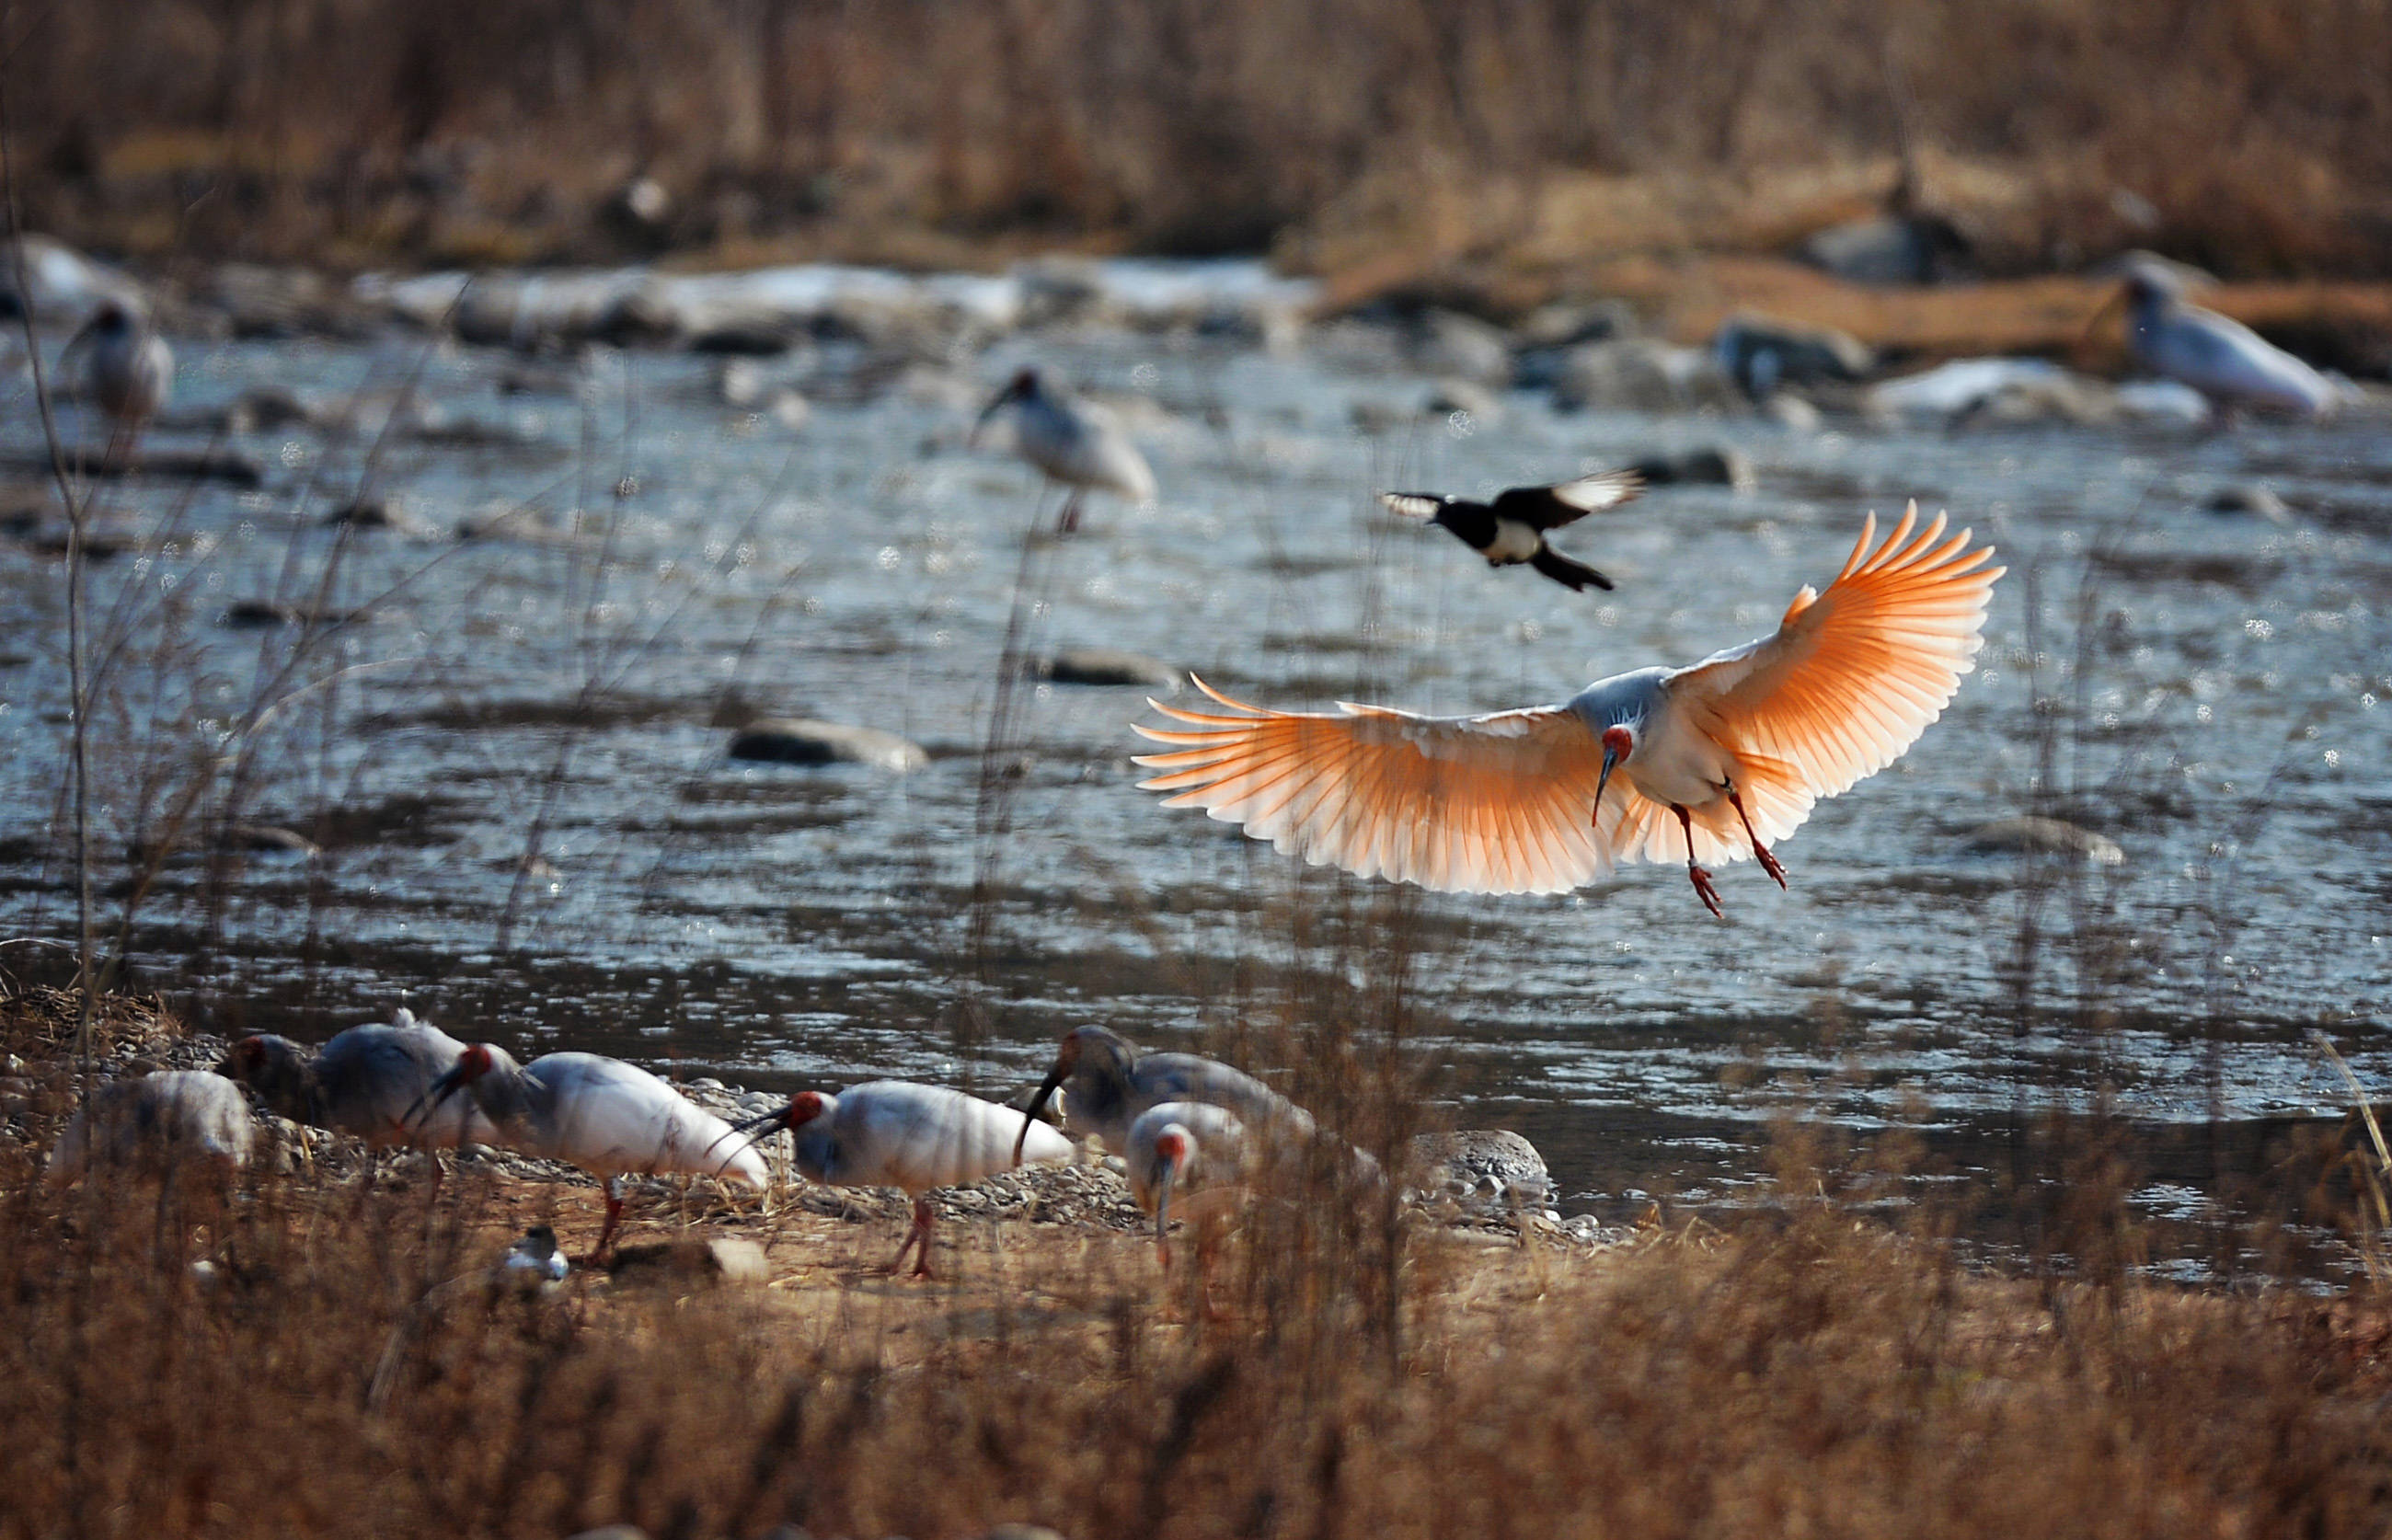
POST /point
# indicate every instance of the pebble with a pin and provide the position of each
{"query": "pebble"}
(2255, 498)
(2048, 835)
(377, 511)
(1107, 666)
(803, 741)
(1465, 398)
(1712, 465)
(1640, 374)
(1760, 354)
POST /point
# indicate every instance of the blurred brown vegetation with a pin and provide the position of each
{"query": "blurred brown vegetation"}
(2248, 134)
(340, 1367)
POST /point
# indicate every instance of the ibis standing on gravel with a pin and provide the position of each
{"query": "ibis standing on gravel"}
(1711, 760)
(160, 1118)
(1108, 1082)
(613, 1119)
(1511, 531)
(895, 1133)
(1075, 442)
(1196, 1150)
(365, 1082)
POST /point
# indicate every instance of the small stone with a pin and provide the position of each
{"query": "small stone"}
(2046, 836)
(1760, 354)
(1447, 342)
(614, 1532)
(1107, 666)
(1712, 465)
(737, 1260)
(377, 511)
(2255, 498)
(1791, 412)
(1022, 1532)
(803, 741)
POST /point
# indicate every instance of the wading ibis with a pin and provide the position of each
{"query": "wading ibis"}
(1075, 442)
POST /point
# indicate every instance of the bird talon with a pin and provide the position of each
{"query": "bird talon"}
(1770, 864)
(1704, 891)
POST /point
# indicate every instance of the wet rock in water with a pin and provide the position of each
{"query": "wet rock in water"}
(1791, 412)
(2255, 498)
(802, 741)
(1996, 392)
(1377, 417)
(1482, 1171)
(1449, 343)
(1711, 465)
(1022, 1532)
(61, 283)
(1449, 397)
(2163, 404)
(1640, 374)
(265, 615)
(263, 408)
(268, 839)
(377, 511)
(613, 1531)
(1566, 323)
(522, 379)
(2045, 837)
(1890, 250)
(1107, 666)
(1760, 354)
(257, 300)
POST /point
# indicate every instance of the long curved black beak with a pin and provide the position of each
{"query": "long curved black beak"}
(996, 403)
(1163, 1208)
(433, 1094)
(1037, 1105)
(1609, 759)
(754, 1128)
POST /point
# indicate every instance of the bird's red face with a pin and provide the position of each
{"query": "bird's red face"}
(474, 1063)
(249, 1054)
(805, 1106)
(1618, 743)
(1170, 1144)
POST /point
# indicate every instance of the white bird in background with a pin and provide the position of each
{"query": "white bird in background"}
(2221, 358)
(1194, 1149)
(895, 1133)
(613, 1119)
(128, 368)
(1108, 1083)
(365, 1082)
(1075, 441)
(1740, 745)
(166, 1117)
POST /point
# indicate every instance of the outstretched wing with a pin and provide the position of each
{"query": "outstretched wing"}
(1552, 507)
(1493, 804)
(1413, 505)
(1853, 675)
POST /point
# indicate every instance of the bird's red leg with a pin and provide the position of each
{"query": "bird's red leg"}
(1769, 863)
(613, 1217)
(1069, 522)
(1701, 879)
(922, 1236)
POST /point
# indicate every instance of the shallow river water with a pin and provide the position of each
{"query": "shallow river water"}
(2200, 686)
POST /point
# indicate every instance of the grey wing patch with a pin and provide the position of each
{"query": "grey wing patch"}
(1411, 505)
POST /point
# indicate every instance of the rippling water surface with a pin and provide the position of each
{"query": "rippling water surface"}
(2200, 686)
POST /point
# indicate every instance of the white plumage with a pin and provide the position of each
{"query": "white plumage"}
(1108, 1082)
(365, 1082)
(1075, 441)
(1711, 761)
(158, 1120)
(895, 1133)
(2220, 358)
(128, 368)
(611, 1119)
(1190, 1159)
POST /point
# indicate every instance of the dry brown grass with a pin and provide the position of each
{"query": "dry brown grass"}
(2258, 135)
(1807, 1374)
(340, 1367)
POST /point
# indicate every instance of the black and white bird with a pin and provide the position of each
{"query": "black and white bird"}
(1077, 443)
(128, 368)
(1511, 531)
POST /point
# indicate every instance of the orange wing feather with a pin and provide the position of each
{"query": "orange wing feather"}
(1494, 804)
(1853, 675)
